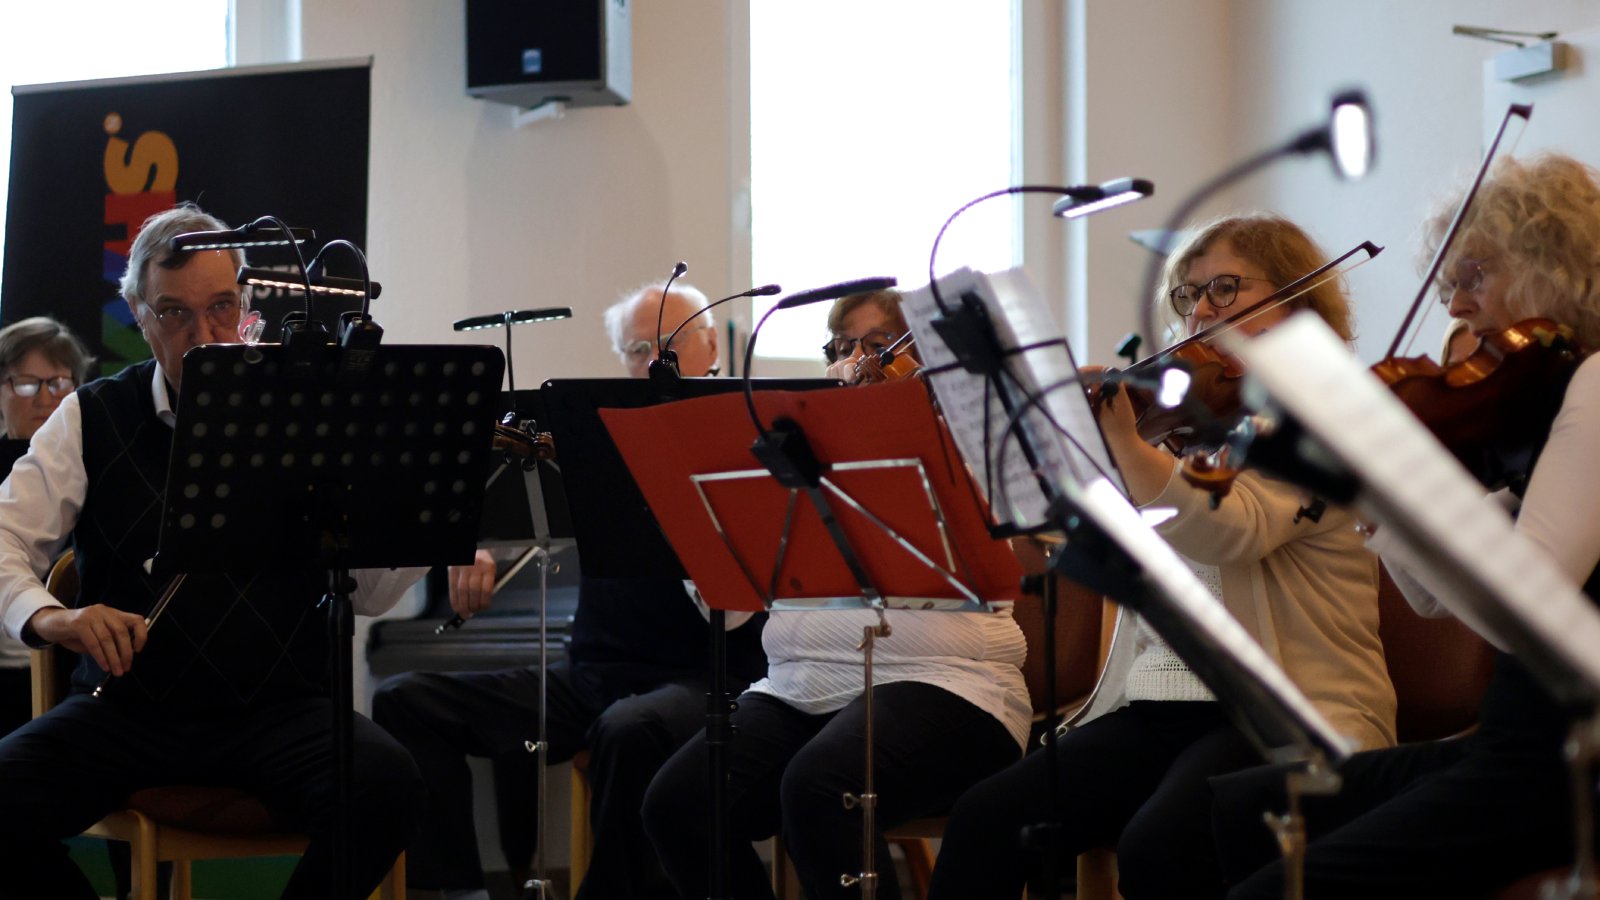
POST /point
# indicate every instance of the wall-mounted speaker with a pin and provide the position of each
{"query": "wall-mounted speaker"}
(529, 52)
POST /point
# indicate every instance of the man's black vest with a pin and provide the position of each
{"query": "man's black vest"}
(226, 641)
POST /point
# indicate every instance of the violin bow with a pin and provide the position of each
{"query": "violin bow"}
(1297, 288)
(1524, 111)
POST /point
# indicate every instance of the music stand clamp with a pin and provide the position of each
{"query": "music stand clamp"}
(307, 457)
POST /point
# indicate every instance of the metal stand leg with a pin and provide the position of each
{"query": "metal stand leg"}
(1290, 828)
(341, 634)
(867, 800)
(539, 887)
(719, 737)
(1582, 748)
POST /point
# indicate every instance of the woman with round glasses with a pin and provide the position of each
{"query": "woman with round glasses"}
(41, 362)
(861, 324)
(1462, 817)
(1134, 762)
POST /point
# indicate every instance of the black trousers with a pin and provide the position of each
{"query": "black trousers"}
(1448, 818)
(62, 772)
(789, 770)
(1134, 779)
(629, 718)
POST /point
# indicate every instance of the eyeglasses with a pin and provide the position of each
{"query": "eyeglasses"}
(178, 319)
(875, 341)
(24, 386)
(1221, 291)
(645, 347)
(1471, 280)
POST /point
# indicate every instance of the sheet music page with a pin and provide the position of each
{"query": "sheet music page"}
(975, 413)
(1481, 568)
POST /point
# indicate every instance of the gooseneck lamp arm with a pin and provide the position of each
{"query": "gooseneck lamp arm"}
(1346, 137)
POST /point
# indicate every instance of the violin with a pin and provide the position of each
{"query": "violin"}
(895, 362)
(1493, 409)
(524, 443)
(1211, 404)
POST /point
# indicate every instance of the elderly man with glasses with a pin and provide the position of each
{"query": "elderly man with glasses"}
(233, 688)
(631, 690)
(632, 324)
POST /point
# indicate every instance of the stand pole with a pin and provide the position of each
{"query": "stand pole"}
(719, 730)
(539, 887)
(1290, 828)
(868, 798)
(1582, 748)
(341, 634)
(1045, 837)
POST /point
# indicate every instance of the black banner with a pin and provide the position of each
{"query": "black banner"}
(91, 161)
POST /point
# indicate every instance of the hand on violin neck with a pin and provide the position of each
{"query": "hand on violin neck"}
(1145, 469)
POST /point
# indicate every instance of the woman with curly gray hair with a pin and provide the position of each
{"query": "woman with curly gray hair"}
(1460, 817)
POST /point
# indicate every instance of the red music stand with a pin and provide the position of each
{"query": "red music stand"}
(894, 522)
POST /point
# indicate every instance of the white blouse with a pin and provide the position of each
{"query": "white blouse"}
(813, 664)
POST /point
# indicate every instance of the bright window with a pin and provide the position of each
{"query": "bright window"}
(88, 39)
(870, 122)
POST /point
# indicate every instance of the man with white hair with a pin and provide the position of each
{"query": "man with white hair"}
(642, 319)
(631, 690)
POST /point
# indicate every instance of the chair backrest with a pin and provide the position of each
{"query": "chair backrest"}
(50, 669)
(1078, 650)
(1440, 667)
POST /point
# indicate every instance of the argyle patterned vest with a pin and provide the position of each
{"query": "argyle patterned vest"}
(225, 641)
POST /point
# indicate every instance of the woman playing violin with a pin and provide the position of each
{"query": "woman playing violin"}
(1133, 767)
(862, 326)
(1460, 817)
(949, 707)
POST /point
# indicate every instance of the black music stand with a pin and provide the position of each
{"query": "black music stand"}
(617, 534)
(288, 450)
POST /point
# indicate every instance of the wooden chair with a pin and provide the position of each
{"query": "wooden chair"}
(1440, 668)
(182, 823)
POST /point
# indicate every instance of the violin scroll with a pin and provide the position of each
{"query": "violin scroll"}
(896, 362)
(522, 442)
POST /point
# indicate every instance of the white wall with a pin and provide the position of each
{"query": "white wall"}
(469, 214)
(1142, 102)
(1426, 85)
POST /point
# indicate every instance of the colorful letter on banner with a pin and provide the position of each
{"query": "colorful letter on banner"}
(90, 161)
